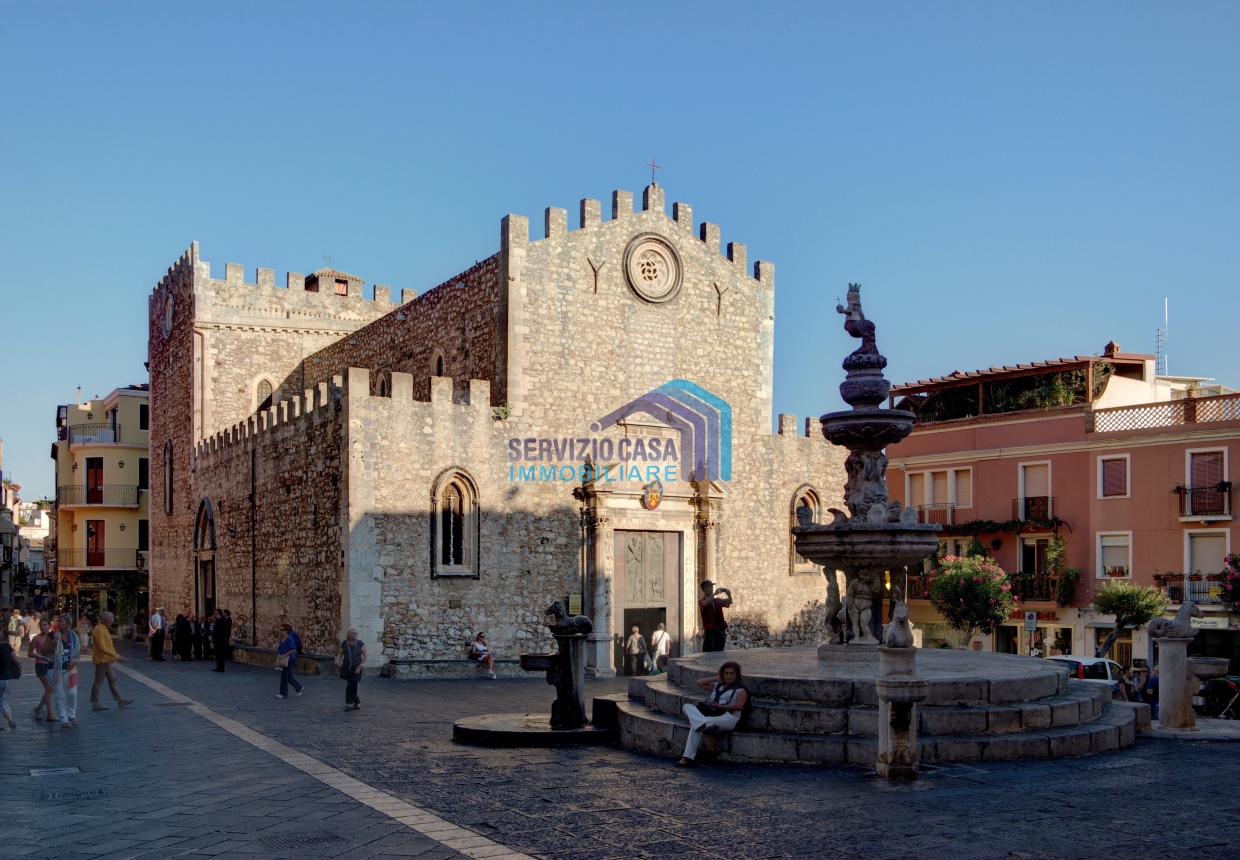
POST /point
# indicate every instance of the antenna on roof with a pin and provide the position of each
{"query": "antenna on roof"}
(331, 264)
(1161, 339)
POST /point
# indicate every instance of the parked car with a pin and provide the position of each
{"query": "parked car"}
(1095, 670)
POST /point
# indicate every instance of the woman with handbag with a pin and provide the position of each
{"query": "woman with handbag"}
(722, 712)
(284, 662)
(351, 661)
(43, 649)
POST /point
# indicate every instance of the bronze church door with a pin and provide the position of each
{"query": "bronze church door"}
(647, 590)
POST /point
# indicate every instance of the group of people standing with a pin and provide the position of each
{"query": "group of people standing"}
(194, 637)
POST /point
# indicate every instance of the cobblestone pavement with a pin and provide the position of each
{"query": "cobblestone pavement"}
(1162, 798)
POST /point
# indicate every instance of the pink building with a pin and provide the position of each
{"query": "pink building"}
(1132, 469)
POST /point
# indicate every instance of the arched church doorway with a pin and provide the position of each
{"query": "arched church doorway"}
(204, 560)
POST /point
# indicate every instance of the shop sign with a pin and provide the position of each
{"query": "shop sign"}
(1209, 623)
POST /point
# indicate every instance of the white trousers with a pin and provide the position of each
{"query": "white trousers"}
(726, 723)
(65, 699)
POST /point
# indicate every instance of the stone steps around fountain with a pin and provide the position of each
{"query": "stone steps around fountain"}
(645, 730)
(1081, 703)
(960, 691)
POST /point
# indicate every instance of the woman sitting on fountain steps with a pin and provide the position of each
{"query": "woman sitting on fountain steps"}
(722, 712)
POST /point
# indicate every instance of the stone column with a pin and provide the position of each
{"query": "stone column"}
(899, 690)
(569, 709)
(600, 644)
(1175, 694)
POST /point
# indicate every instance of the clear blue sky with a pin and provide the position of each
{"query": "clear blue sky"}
(1008, 181)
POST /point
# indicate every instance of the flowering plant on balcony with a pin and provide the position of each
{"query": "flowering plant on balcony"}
(1229, 586)
(972, 592)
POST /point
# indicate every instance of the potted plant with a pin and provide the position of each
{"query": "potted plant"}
(1117, 570)
(1223, 486)
(1179, 489)
(1195, 576)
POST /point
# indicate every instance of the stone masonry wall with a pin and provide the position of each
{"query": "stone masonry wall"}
(298, 512)
(457, 319)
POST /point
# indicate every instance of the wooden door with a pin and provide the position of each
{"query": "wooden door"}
(647, 585)
(94, 480)
(95, 554)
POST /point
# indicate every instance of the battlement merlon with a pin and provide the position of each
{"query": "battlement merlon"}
(514, 229)
(356, 384)
(285, 417)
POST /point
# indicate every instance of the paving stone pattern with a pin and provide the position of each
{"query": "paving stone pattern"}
(1161, 798)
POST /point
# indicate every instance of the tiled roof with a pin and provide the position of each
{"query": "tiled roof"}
(979, 375)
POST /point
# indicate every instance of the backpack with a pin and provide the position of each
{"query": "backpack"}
(296, 641)
(15, 626)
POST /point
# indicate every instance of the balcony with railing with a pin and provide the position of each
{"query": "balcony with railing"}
(102, 495)
(1032, 588)
(77, 558)
(1173, 413)
(1205, 591)
(1033, 508)
(86, 434)
(939, 514)
(1212, 501)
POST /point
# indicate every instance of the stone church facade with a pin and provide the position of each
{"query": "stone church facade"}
(586, 414)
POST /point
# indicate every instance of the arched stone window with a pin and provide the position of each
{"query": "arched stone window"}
(454, 525)
(437, 363)
(383, 384)
(263, 395)
(168, 477)
(804, 497)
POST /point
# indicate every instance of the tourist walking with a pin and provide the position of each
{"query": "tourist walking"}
(661, 646)
(42, 649)
(83, 630)
(64, 675)
(635, 653)
(221, 635)
(722, 712)
(103, 656)
(351, 660)
(139, 625)
(1151, 693)
(157, 627)
(480, 652)
(15, 629)
(711, 606)
(287, 657)
(10, 670)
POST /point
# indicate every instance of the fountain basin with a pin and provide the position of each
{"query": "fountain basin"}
(868, 429)
(1205, 668)
(867, 545)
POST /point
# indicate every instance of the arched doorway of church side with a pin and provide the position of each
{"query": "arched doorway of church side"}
(204, 559)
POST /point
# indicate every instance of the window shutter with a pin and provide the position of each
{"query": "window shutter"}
(939, 488)
(1037, 481)
(1206, 551)
(1115, 477)
(964, 488)
(1205, 470)
(1114, 552)
(917, 489)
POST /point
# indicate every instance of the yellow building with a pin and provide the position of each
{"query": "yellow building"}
(101, 522)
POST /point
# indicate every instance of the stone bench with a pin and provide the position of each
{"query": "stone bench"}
(459, 668)
(307, 664)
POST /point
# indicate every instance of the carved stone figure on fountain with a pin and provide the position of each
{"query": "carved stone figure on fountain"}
(898, 633)
(567, 672)
(861, 609)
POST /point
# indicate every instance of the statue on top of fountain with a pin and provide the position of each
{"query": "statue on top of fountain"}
(856, 324)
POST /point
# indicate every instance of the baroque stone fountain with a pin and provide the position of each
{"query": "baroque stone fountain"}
(856, 699)
(877, 535)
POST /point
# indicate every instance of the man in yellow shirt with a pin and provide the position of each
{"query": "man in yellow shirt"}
(103, 657)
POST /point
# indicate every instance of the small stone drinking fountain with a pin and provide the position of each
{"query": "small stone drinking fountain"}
(1180, 676)
(877, 535)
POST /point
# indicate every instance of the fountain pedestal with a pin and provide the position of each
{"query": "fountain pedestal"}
(1175, 697)
(899, 690)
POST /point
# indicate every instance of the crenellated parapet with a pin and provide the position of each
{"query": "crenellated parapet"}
(555, 225)
(324, 403)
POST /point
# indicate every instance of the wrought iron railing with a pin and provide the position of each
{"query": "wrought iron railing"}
(113, 559)
(104, 494)
(1205, 501)
(919, 588)
(939, 514)
(81, 434)
(1193, 410)
(1199, 591)
(1033, 508)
